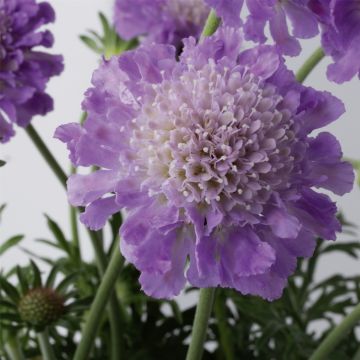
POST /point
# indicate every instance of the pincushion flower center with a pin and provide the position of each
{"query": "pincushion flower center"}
(214, 134)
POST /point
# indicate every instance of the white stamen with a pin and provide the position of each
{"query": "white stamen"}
(205, 149)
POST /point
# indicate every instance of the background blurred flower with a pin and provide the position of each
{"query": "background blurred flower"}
(24, 71)
(340, 20)
(278, 14)
(162, 21)
(213, 159)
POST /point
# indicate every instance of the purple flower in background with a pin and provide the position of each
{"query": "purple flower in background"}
(213, 159)
(163, 21)
(340, 21)
(278, 14)
(228, 10)
(24, 71)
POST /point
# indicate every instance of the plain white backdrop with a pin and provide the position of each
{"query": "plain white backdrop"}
(29, 187)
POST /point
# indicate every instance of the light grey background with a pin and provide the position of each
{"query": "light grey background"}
(30, 188)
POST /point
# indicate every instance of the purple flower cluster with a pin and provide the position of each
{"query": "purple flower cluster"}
(24, 71)
(163, 21)
(340, 22)
(213, 160)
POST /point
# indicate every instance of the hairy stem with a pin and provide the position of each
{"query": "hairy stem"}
(310, 64)
(336, 335)
(201, 320)
(97, 308)
(211, 25)
(45, 346)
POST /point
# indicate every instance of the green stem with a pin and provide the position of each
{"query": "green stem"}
(45, 347)
(13, 348)
(97, 308)
(100, 256)
(45, 152)
(336, 335)
(75, 228)
(202, 315)
(212, 23)
(310, 64)
(357, 355)
(226, 343)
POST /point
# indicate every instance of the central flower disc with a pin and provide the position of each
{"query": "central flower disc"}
(214, 134)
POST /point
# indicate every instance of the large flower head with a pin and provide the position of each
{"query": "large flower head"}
(163, 21)
(340, 20)
(24, 71)
(213, 159)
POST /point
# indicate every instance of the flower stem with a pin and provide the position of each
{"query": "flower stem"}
(211, 25)
(357, 355)
(74, 227)
(97, 308)
(336, 335)
(13, 348)
(100, 256)
(226, 343)
(45, 152)
(310, 64)
(202, 315)
(45, 347)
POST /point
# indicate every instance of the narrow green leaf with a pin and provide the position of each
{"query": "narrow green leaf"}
(59, 235)
(24, 284)
(67, 281)
(52, 277)
(9, 290)
(37, 275)
(91, 43)
(10, 243)
(2, 163)
(105, 25)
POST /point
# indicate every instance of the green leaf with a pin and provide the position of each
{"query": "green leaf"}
(105, 25)
(350, 248)
(66, 282)
(59, 235)
(2, 163)
(10, 243)
(9, 290)
(37, 275)
(24, 284)
(91, 43)
(51, 277)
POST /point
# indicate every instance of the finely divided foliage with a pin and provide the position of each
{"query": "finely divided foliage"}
(213, 159)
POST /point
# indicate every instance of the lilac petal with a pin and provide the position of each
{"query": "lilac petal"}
(282, 223)
(319, 109)
(318, 214)
(83, 189)
(328, 170)
(304, 23)
(287, 44)
(97, 213)
(228, 10)
(263, 60)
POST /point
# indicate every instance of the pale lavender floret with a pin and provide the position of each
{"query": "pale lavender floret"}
(162, 21)
(24, 70)
(213, 160)
(340, 21)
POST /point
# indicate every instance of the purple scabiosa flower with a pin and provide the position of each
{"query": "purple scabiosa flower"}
(163, 21)
(340, 20)
(24, 71)
(278, 14)
(213, 159)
